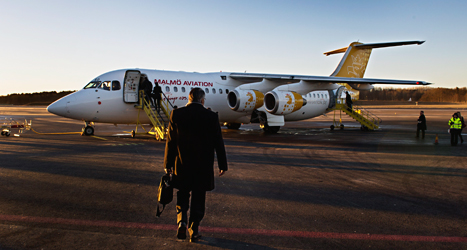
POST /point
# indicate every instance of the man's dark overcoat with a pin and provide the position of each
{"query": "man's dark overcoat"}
(194, 134)
(421, 122)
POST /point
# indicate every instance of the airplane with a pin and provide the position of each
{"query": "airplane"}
(267, 99)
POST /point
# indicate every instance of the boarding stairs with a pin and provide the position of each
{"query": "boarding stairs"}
(159, 118)
(368, 120)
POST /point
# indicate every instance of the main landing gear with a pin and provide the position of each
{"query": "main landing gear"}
(87, 129)
(270, 129)
(233, 125)
(341, 127)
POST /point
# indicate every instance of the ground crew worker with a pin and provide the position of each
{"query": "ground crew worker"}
(462, 127)
(456, 125)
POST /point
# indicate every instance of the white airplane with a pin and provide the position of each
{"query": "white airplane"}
(267, 99)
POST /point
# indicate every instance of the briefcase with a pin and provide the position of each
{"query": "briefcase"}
(164, 193)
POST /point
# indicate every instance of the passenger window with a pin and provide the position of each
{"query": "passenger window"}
(116, 85)
(105, 85)
(183, 89)
(314, 95)
(207, 90)
(175, 89)
(213, 90)
(220, 91)
(226, 91)
(167, 89)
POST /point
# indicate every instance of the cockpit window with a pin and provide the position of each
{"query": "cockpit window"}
(105, 85)
(116, 85)
(92, 84)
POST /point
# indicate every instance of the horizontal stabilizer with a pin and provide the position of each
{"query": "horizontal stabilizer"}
(374, 46)
(382, 45)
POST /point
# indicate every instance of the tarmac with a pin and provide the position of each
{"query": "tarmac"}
(306, 187)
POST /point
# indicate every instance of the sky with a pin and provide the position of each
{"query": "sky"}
(62, 45)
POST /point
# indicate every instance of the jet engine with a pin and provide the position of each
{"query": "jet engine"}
(283, 102)
(245, 100)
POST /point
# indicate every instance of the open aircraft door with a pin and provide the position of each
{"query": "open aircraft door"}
(131, 86)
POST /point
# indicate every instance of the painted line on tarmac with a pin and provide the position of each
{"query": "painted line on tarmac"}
(280, 233)
(99, 137)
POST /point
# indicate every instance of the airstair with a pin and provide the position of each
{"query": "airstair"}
(159, 118)
(368, 120)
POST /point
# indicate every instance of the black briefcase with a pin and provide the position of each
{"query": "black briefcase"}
(165, 193)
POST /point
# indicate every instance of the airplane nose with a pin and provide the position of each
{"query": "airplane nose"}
(58, 107)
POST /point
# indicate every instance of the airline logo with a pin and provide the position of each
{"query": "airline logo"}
(358, 63)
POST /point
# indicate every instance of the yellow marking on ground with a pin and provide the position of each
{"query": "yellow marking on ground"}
(99, 137)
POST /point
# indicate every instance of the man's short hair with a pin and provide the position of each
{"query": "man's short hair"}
(196, 95)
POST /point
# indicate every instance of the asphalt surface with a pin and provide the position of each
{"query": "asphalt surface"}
(306, 187)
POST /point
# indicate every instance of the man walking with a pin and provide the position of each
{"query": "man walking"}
(456, 125)
(194, 135)
(421, 125)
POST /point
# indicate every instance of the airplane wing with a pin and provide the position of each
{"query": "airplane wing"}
(285, 79)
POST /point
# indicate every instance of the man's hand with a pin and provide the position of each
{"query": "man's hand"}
(221, 172)
(168, 171)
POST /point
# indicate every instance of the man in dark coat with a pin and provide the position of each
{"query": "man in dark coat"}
(157, 96)
(348, 100)
(146, 85)
(194, 135)
(421, 125)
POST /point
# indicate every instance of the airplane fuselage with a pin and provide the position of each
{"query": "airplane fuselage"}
(98, 104)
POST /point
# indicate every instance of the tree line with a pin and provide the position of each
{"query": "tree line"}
(417, 94)
(42, 98)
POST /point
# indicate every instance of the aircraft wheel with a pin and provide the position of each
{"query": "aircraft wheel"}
(7, 133)
(88, 130)
(234, 125)
(332, 127)
(3, 133)
(342, 127)
(133, 134)
(271, 129)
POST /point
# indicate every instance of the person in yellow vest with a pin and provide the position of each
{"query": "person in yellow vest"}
(456, 126)
(462, 127)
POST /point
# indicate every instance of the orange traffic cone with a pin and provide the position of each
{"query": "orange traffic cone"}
(436, 140)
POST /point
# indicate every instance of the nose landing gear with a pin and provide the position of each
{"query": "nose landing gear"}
(87, 129)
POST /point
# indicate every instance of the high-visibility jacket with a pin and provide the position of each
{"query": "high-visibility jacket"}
(455, 123)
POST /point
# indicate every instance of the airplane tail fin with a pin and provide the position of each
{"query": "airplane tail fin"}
(353, 63)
